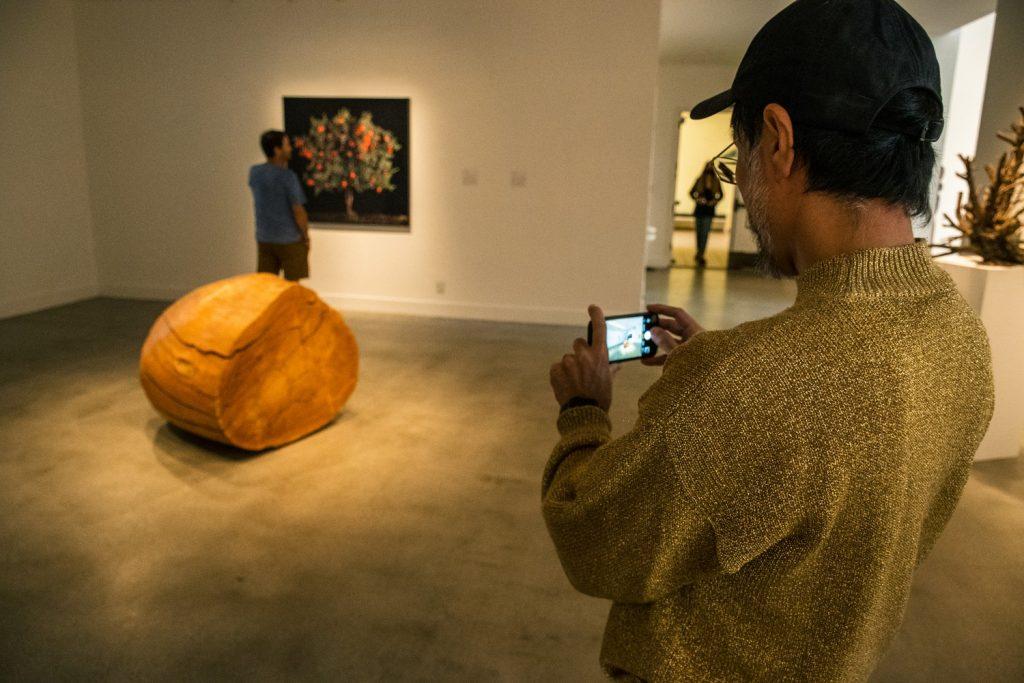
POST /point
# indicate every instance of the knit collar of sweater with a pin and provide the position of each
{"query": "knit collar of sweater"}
(906, 269)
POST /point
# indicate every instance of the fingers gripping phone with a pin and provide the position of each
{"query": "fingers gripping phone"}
(628, 336)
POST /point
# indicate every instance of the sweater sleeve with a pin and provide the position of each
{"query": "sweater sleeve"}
(621, 525)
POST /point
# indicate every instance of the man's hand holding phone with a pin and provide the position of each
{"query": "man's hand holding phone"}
(586, 373)
(675, 327)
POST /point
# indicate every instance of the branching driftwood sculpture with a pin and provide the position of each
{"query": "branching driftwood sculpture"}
(992, 220)
(254, 361)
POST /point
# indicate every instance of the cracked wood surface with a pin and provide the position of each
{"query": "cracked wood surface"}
(254, 361)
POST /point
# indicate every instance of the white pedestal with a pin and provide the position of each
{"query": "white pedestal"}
(996, 293)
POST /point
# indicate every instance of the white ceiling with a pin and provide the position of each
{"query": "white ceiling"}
(718, 31)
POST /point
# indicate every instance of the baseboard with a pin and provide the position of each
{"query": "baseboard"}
(42, 300)
(659, 263)
(432, 308)
(143, 292)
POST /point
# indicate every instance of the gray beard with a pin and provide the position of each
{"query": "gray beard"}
(757, 219)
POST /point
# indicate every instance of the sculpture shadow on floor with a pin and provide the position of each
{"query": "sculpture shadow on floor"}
(194, 442)
(194, 459)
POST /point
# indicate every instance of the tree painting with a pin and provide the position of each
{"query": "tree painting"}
(348, 155)
(352, 158)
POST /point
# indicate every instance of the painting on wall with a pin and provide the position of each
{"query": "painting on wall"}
(352, 157)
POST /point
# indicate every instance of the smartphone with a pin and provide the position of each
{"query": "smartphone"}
(629, 336)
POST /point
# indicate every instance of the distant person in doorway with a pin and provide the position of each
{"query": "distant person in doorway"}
(282, 226)
(706, 193)
(764, 517)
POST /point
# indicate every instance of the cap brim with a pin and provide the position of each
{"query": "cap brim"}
(713, 105)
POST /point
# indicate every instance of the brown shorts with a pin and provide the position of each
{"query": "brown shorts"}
(292, 258)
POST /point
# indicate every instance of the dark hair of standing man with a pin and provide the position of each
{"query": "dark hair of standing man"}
(878, 164)
(271, 140)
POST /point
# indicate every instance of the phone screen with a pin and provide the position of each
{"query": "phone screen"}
(629, 337)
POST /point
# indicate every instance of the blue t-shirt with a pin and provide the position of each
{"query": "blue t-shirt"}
(275, 191)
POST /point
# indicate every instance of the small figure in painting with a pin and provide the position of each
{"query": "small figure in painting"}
(282, 225)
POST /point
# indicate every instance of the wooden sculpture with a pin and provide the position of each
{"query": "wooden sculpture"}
(254, 361)
(993, 220)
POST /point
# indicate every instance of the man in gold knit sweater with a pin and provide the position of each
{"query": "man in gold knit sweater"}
(763, 519)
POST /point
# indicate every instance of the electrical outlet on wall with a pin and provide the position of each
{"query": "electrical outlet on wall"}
(439, 286)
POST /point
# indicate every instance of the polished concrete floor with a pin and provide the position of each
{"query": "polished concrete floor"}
(402, 542)
(684, 248)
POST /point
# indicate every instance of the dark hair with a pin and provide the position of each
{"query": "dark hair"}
(878, 164)
(271, 140)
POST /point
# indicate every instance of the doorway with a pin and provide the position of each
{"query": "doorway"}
(699, 142)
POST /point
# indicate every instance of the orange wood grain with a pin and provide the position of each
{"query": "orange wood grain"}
(254, 361)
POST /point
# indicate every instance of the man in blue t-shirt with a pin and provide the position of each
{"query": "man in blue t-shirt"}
(282, 226)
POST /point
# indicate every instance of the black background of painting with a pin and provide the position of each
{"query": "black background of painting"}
(329, 207)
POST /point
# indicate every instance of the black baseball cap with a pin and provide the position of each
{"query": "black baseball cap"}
(834, 64)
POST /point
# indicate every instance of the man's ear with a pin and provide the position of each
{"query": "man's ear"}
(778, 129)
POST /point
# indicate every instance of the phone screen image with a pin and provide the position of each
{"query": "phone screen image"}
(629, 337)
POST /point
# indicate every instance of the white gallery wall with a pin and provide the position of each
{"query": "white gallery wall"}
(1004, 93)
(946, 48)
(964, 62)
(176, 93)
(680, 88)
(45, 222)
